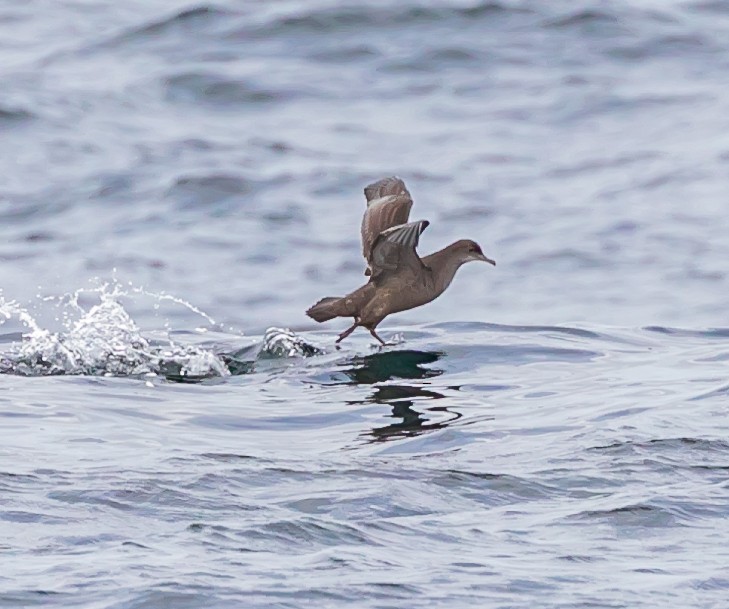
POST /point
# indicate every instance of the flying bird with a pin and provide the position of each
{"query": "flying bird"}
(399, 279)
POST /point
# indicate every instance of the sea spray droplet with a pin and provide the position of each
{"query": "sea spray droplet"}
(179, 301)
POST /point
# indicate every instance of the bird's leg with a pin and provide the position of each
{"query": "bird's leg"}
(372, 331)
(347, 332)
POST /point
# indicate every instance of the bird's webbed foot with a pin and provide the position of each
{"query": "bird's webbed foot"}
(382, 342)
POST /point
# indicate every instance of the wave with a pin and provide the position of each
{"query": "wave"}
(196, 191)
(187, 17)
(10, 115)
(216, 89)
(345, 18)
(189, 20)
(721, 333)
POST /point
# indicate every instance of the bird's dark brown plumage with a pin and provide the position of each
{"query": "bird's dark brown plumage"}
(400, 279)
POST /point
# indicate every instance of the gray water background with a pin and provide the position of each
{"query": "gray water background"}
(549, 433)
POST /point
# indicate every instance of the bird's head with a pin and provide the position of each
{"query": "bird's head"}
(470, 251)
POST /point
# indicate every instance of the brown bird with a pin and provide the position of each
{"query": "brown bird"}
(399, 278)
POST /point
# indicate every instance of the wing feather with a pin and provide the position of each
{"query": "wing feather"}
(388, 205)
(394, 248)
(384, 187)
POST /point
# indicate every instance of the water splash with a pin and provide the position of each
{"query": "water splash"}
(103, 340)
(282, 342)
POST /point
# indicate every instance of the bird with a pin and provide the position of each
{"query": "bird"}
(399, 279)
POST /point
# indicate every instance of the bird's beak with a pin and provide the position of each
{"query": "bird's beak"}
(482, 257)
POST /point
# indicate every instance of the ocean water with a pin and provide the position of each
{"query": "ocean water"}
(179, 181)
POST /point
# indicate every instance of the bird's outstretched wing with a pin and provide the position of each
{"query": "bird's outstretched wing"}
(388, 205)
(394, 249)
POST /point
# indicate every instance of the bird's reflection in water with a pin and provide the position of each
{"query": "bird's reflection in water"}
(388, 365)
(407, 364)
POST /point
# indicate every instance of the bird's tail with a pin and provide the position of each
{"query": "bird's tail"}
(325, 309)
